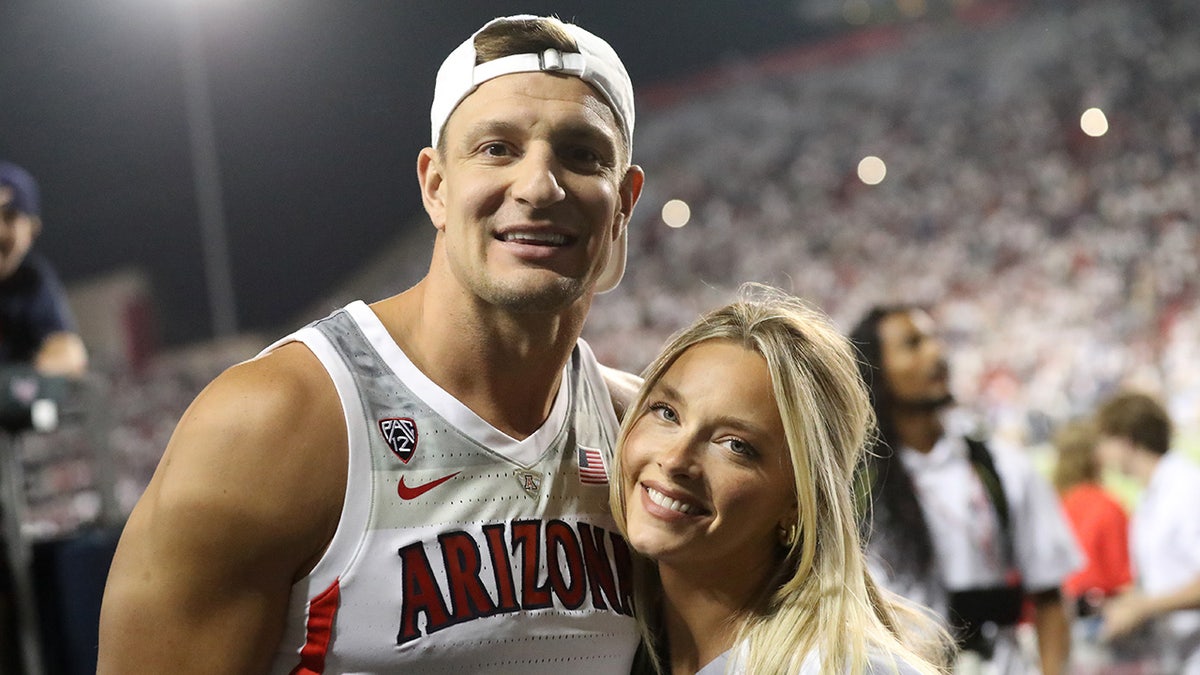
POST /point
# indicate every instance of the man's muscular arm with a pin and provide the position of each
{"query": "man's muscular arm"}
(243, 502)
(622, 387)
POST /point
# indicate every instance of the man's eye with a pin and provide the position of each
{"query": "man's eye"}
(584, 156)
(496, 150)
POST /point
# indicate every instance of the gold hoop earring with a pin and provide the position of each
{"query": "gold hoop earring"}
(787, 535)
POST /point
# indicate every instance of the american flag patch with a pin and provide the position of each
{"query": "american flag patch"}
(591, 467)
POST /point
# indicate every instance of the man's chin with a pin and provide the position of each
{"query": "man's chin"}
(552, 296)
(928, 404)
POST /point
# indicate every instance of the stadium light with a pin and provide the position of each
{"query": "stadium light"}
(206, 171)
(676, 213)
(1093, 122)
(871, 170)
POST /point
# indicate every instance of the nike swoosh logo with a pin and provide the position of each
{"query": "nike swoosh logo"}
(412, 492)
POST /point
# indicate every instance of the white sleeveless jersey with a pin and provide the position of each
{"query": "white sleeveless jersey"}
(460, 549)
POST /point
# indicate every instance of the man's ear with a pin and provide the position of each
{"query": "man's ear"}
(631, 190)
(35, 226)
(429, 175)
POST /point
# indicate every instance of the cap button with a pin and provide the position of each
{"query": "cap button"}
(551, 59)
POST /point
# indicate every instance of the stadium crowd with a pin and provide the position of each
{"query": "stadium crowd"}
(1061, 265)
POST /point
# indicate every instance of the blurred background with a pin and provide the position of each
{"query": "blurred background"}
(218, 173)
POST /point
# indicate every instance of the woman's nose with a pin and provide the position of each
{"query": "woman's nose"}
(678, 457)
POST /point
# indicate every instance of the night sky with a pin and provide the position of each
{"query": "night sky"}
(319, 108)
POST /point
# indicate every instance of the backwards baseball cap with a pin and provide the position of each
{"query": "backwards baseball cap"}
(22, 188)
(595, 63)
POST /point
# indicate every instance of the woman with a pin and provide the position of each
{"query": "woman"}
(1099, 521)
(734, 477)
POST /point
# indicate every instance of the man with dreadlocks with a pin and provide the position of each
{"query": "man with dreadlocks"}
(960, 525)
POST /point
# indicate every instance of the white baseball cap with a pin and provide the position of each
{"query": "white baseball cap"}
(596, 63)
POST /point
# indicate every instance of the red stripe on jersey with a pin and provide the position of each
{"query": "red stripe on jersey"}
(321, 612)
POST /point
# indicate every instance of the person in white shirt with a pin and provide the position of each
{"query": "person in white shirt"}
(1164, 531)
(734, 476)
(963, 526)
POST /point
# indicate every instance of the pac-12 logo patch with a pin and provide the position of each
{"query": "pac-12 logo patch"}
(401, 436)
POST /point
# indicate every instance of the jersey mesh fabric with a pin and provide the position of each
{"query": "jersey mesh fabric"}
(460, 549)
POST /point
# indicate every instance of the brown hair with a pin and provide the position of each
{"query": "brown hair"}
(522, 36)
(519, 36)
(1076, 445)
(1138, 417)
(528, 36)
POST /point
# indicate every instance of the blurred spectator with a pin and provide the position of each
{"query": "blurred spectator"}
(1098, 520)
(996, 210)
(963, 526)
(1102, 532)
(1135, 439)
(36, 326)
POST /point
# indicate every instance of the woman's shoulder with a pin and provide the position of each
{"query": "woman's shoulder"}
(891, 664)
(878, 663)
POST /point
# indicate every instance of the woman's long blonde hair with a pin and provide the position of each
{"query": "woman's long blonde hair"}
(821, 598)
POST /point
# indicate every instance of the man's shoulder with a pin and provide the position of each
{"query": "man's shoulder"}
(262, 440)
(287, 378)
(1006, 455)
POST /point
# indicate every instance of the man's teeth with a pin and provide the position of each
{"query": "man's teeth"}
(668, 503)
(546, 238)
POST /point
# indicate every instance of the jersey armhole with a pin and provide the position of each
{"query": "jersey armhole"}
(352, 524)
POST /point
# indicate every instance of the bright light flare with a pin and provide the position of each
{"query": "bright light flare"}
(1093, 122)
(871, 170)
(676, 213)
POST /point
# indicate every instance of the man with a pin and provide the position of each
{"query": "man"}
(419, 485)
(1135, 440)
(36, 325)
(37, 330)
(965, 527)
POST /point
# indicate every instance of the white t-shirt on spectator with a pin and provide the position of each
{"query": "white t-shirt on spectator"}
(1164, 543)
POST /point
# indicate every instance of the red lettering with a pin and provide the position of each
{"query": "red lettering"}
(560, 537)
(468, 597)
(577, 560)
(525, 534)
(421, 594)
(624, 563)
(599, 569)
(501, 568)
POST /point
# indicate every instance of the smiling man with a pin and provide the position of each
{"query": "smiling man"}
(411, 485)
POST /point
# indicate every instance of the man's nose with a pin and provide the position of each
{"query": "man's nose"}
(537, 181)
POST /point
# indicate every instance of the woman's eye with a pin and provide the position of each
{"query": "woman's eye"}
(665, 412)
(740, 447)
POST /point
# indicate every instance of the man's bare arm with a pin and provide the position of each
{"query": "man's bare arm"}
(1053, 626)
(622, 387)
(244, 500)
(1126, 612)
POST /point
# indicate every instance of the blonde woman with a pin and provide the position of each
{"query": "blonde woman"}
(734, 479)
